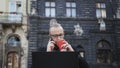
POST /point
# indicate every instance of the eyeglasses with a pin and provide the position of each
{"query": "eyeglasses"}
(56, 35)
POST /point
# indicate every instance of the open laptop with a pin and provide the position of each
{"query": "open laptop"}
(55, 60)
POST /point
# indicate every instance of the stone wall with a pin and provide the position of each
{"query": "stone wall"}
(86, 17)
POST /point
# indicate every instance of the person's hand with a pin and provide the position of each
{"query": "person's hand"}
(50, 46)
(67, 46)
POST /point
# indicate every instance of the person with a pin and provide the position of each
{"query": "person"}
(56, 33)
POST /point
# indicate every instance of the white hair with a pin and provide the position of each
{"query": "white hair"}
(54, 24)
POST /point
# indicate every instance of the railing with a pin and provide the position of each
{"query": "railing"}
(10, 17)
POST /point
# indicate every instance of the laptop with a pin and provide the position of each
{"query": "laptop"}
(55, 60)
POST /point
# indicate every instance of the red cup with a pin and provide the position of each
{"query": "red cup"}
(60, 43)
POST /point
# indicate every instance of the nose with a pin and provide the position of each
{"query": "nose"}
(59, 37)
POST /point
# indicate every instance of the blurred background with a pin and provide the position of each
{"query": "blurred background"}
(92, 27)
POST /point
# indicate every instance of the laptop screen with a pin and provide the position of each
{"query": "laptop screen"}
(55, 60)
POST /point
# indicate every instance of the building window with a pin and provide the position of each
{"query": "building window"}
(15, 10)
(81, 51)
(15, 7)
(50, 9)
(13, 41)
(70, 9)
(19, 7)
(100, 10)
(103, 52)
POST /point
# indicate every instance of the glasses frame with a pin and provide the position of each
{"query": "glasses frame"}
(56, 35)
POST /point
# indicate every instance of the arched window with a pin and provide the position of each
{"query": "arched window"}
(103, 52)
(81, 51)
(13, 41)
(13, 54)
(12, 60)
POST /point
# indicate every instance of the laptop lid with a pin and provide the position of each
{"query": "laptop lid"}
(55, 60)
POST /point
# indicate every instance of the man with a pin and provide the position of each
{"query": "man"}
(56, 34)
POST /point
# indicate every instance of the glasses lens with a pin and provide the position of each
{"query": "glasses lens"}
(56, 35)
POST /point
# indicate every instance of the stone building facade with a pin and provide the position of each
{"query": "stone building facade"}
(99, 44)
(13, 34)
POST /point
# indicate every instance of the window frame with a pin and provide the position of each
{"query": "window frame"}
(15, 11)
(102, 51)
(101, 9)
(14, 42)
(50, 7)
(71, 8)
